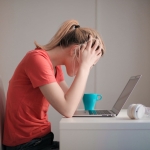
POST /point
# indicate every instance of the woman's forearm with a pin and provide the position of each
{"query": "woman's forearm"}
(76, 90)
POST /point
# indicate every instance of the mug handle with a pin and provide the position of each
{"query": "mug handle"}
(99, 97)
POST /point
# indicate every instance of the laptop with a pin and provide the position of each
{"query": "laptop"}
(117, 106)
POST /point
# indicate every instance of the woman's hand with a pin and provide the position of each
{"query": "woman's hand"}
(89, 55)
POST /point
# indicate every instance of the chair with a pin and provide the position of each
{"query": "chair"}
(2, 111)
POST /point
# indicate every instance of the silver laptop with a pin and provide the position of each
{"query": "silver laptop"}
(117, 106)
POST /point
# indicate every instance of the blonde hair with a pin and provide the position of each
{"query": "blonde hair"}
(70, 33)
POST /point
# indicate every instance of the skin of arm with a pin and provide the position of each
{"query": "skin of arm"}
(64, 86)
(66, 104)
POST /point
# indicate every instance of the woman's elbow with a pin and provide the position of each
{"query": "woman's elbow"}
(68, 114)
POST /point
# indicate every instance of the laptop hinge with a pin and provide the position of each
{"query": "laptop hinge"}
(112, 112)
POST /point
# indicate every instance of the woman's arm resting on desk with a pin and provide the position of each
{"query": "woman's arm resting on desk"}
(67, 103)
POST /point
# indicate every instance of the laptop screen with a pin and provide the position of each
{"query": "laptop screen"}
(125, 93)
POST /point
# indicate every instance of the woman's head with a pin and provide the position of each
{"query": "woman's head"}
(71, 33)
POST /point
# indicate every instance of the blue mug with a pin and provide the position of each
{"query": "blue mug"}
(90, 99)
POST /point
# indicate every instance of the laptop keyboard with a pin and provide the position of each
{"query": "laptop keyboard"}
(98, 112)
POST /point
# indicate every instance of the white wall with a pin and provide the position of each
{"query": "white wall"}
(125, 28)
(123, 24)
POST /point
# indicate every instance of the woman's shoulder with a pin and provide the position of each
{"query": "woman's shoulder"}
(37, 52)
(35, 56)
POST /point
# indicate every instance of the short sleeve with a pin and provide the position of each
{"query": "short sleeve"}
(39, 69)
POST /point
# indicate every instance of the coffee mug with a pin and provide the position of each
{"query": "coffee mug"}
(90, 99)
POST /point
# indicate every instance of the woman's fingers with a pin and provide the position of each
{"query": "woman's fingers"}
(92, 44)
(99, 51)
(89, 43)
(95, 45)
(82, 47)
(90, 52)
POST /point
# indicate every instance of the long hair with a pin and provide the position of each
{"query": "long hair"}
(70, 33)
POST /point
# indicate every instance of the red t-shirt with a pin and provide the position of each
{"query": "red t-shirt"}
(26, 108)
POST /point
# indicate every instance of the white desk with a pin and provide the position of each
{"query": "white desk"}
(113, 133)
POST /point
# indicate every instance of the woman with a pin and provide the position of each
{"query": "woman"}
(38, 81)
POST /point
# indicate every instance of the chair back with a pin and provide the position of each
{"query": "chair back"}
(2, 111)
